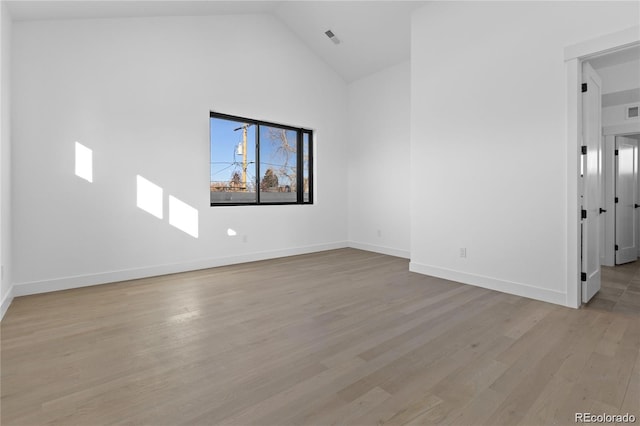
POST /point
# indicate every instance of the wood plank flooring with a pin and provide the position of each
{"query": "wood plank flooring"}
(339, 337)
(620, 290)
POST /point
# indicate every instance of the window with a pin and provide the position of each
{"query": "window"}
(255, 162)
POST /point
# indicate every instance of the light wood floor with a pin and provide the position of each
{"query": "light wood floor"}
(339, 337)
(620, 290)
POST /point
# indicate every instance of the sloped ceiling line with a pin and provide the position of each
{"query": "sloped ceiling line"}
(374, 34)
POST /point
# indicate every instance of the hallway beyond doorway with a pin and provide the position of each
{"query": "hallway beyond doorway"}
(620, 290)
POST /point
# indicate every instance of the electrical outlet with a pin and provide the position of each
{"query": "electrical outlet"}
(463, 252)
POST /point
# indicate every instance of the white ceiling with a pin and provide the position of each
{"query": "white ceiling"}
(374, 34)
(27, 10)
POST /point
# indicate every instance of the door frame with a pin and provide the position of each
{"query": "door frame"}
(619, 256)
(574, 55)
(610, 133)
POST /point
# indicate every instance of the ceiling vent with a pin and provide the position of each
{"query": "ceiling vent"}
(632, 112)
(332, 37)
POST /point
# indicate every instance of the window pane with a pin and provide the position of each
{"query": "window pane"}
(233, 161)
(278, 159)
(306, 182)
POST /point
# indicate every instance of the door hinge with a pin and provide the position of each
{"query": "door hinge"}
(615, 152)
(584, 87)
(584, 150)
(583, 276)
(616, 199)
(583, 214)
(616, 247)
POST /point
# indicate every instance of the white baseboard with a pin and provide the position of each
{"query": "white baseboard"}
(380, 249)
(6, 302)
(66, 283)
(509, 287)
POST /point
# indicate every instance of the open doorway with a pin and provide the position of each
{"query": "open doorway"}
(621, 197)
(585, 156)
(620, 273)
(620, 75)
(610, 231)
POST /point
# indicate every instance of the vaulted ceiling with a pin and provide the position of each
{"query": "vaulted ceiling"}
(373, 34)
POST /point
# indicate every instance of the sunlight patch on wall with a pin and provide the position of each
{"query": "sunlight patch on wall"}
(149, 197)
(231, 232)
(183, 216)
(84, 162)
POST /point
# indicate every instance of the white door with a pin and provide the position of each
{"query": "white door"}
(626, 199)
(591, 192)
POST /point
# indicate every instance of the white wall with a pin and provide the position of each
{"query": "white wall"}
(379, 110)
(488, 139)
(138, 93)
(615, 79)
(6, 293)
(617, 114)
(620, 77)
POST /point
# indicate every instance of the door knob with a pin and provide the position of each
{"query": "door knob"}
(602, 210)
(637, 205)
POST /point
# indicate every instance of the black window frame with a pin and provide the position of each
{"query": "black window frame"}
(300, 132)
